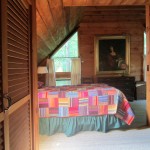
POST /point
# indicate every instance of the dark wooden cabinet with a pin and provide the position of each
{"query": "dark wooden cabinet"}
(124, 84)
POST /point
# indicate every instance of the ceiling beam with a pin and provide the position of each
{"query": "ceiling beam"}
(103, 2)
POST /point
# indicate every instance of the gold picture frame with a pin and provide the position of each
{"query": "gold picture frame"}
(112, 55)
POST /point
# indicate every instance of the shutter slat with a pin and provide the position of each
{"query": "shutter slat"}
(17, 54)
(17, 76)
(18, 59)
(16, 65)
(19, 90)
(15, 81)
(21, 84)
(17, 71)
(15, 87)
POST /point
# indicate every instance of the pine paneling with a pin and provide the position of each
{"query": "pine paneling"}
(102, 2)
(88, 30)
(19, 126)
(18, 50)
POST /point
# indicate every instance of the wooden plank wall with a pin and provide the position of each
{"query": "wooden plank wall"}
(88, 30)
(102, 2)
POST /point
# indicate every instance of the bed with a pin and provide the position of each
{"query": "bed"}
(71, 109)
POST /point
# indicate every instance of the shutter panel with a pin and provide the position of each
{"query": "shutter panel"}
(18, 50)
(19, 126)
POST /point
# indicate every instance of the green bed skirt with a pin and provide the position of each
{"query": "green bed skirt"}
(73, 125)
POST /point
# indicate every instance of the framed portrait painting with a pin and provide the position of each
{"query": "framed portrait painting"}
(112, 55)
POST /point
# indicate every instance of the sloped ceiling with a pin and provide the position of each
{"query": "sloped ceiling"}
(54, 23)
(57, 19)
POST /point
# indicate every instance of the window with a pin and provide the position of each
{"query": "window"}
(62, 60)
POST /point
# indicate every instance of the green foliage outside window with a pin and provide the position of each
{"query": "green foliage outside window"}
(62, 58)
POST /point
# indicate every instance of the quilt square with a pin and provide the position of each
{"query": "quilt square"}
(83, 102)
(93, 110)
(93, 100)
(52, 94)
(44, 112)
(92, 93)
(74, 102)
(83, 94)
(64, 102)
(53, 102)
(43, 103)
(72, 94)
(103, 100)
(53, 112)
(103, 109)
(73, 111)
(63, 111)
(83, 110)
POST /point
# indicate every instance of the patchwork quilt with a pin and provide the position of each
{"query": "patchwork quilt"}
(84, 100)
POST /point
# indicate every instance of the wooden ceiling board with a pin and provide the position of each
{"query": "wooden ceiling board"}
(44, 11)
(103, 2)
(57, 12)
(44, 32)
(43, 50)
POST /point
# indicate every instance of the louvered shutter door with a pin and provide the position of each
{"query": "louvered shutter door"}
(16, 74)
(19, 73)
(18, 50)
(1, 93)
